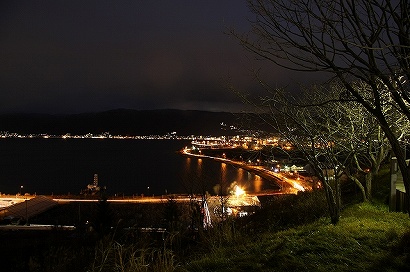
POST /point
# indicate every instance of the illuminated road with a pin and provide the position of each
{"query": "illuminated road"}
(145, 199)
(288, 185)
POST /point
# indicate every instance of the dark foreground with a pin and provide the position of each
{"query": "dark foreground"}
(37, 250)
(290, 233)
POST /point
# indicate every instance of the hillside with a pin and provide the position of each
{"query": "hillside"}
(367, 238)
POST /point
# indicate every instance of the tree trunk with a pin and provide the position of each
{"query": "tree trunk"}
(331, 203)
(362, 189)
(338, 194)
(369, 180)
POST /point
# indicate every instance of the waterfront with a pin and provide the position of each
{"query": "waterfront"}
(125, 167)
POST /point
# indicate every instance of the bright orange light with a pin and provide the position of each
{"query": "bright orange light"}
(238, 191)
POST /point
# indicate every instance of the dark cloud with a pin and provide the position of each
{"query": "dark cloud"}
(74, 56)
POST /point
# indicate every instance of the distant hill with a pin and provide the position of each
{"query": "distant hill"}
(132, 122)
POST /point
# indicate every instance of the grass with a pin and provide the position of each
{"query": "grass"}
(368, 238)
(118, 257)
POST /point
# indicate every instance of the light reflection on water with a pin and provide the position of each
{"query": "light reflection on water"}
(258, 184)
(212, 175)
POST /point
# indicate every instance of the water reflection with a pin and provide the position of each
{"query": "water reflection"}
(187, 164)
(223, 174)
(240, 174)
(258, 184)
(199, 168)
(213, 176)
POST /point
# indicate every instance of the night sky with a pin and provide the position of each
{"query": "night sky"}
(86, 56)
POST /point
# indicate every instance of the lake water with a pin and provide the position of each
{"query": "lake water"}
(129, 167)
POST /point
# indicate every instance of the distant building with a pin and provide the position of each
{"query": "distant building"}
(92, 189)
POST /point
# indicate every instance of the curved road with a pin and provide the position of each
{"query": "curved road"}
(288, 185)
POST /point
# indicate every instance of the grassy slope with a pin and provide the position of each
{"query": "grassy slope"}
(368, 238)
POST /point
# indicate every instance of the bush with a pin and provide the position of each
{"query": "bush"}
(284, 211)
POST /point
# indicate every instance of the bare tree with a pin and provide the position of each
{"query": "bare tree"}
(309, 131)
(367, 144)
(354, 41)
(337, 139)
(365, 138)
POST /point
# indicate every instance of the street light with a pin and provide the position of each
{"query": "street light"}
(21, 188)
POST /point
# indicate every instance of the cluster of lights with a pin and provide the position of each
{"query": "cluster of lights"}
(104, 135)
(246, 142)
